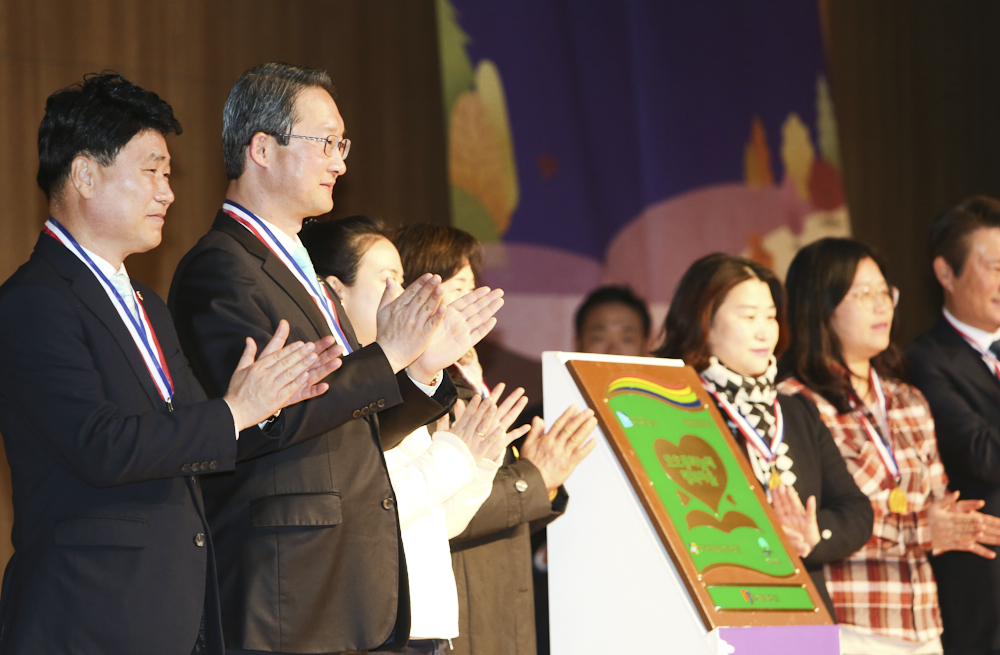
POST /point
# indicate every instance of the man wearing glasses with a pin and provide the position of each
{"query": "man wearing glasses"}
(310, 559)
(955, 365)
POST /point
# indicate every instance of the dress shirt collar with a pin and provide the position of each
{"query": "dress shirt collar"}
(290, 243)
(981, 338)
(104, 264)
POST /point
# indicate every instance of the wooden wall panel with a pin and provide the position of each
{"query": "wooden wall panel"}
(382, 56)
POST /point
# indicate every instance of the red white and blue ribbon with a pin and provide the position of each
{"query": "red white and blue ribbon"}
(138, 325)
(768, 451)
(988, 356)
(881, 442)
(316, 291)
(481, 387)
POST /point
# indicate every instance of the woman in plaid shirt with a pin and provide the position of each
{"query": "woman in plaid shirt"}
(841, 357)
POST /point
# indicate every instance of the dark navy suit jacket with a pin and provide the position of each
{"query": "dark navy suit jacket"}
(111, 546)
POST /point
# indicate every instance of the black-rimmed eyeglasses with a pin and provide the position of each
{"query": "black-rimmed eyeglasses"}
(331, 143)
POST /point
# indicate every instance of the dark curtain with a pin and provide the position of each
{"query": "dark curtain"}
(916, 89)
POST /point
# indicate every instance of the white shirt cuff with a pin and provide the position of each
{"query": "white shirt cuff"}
(429, 389)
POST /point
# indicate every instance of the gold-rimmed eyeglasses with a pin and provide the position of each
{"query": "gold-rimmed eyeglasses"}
(331, 143)
(871, 298)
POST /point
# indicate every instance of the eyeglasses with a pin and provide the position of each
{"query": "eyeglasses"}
(331, 143)
(872, 298)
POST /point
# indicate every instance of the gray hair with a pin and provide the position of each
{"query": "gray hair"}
(263, 100)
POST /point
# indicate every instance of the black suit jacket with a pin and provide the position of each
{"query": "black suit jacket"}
(964, 396)
(111, 553)
(306, 529)
(843, 512)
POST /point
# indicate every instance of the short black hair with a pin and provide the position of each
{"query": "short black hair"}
(336, 247)
(97, 118)
(950, 231)
(263, 100)
(612, 295)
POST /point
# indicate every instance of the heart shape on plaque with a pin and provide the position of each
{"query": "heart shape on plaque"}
(695, 466)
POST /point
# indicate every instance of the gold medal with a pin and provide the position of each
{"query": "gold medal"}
(774, 481)
(897, 501)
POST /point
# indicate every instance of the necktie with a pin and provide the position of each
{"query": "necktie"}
(301, 257)
(995, 348)
(124, 288)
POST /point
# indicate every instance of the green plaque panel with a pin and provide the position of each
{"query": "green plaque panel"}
(697, 477)
(736, 598)
(695, 484)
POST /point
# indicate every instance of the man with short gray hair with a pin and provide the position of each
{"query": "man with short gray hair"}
(310, 559)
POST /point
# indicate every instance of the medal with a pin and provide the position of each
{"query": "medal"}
(897, 497)
(897, 501)
(767, 451)
(138, 325)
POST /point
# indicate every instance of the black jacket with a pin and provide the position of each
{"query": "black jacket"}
(841, 508)
(111, 545)
(964, 396)
(306, 529)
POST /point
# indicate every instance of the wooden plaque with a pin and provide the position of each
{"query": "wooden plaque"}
(697, 487)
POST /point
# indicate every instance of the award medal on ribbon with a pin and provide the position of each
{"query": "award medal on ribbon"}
(767, 452)
(316, 290)
(138, 325)
(897, 497)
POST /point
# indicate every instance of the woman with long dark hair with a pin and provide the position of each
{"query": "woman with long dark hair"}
(841, 357)
(726, 320)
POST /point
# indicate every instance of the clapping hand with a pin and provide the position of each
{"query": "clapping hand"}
(798, 521)
(408, 321)
(477, 426)
(466, 322)
(956, 525)
(507, 413)
(260, 386)
(557, 452)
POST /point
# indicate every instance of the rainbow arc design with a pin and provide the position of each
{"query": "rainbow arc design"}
(679, 395)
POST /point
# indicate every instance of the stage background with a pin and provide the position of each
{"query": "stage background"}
(613, 94)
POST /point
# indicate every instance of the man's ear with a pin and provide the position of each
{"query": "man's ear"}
(259, 149)
(945, 276)
(82, 173)
(336, 285)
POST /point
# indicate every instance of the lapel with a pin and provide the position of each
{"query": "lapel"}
(88, 289)
(345, 323)
(964, 357)
(276, 270)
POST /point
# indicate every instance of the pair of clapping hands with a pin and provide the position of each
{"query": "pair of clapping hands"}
(416, 331)
(483, 426)
(954, 524)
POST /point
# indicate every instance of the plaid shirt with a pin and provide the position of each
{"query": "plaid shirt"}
(887, 588)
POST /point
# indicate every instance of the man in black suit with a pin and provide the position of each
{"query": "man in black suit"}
(104, 425)
(955, 365)
(308, 537)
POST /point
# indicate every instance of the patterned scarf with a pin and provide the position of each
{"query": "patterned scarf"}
(753, 397)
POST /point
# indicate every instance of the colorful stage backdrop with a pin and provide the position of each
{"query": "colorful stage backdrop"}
(617, 141)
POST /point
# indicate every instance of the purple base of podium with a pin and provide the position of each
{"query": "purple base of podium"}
(782, 640)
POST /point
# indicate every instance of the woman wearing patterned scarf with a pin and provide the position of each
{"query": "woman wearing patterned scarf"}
(726, 320)
(841, 357)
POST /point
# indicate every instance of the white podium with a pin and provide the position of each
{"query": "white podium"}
(613, 587)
